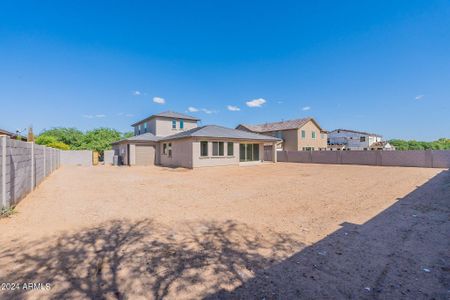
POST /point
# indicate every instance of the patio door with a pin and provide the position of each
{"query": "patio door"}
(248, 152)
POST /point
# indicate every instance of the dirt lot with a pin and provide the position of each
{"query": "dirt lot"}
(283, 231)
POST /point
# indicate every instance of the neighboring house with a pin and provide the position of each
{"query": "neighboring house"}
(345, 139)
(174, 140)
(296, 135)
(12, 135)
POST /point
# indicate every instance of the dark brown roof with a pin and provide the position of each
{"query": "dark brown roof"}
(277, 126)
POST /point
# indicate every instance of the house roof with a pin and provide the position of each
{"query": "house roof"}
(277, 126)
(145, 137)
(169, 114)
(359, 132)
(5, 132)
(214, 131)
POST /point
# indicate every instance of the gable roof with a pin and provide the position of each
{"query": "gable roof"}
(145, 137)
(168, 114)
(277, 126)
(214, 131)
(355, 131)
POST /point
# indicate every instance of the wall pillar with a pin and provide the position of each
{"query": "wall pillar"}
(3, 183)
(33, 173)
(274, 152)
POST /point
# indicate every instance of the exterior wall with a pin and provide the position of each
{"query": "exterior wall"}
(76, 157)
(23, 166)
(181, 154)
(163, 126)
(290, 138)
(320, 142)
(210, 160)
(413, 158)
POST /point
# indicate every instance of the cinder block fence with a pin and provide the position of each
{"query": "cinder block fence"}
(23, 167)
(411, 158)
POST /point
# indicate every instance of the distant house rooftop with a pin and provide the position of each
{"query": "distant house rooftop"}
(214, 131)
(12, 135)
(355, 131)
(277, 126)
(168, 114)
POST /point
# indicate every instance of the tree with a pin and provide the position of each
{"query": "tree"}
(100, 139)
(69, 136)
(126, 135)
(51, 141)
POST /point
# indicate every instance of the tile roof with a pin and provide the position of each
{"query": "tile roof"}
(214, 131)
(276, 126)
(169, 114)
(145, 137)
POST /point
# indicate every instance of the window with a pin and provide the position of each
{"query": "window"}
(218, 149)
(139, 129)
(145, 127)
(203, 148)
(164, 148)
(279, 134)
(230, 148)
(174, 124)
(308, 148)
(313, 134)
(169, 149)
(362, 139)
(303, 134)
(181, 124)
(248, 152)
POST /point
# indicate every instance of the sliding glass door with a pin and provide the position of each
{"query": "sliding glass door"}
(248, 152)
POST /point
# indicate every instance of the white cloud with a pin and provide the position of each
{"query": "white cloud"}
(233, 108)
(305, 108)
(94, 116)
(129, 115)
(192, 109)
(418, 97)
(256, 102)
(280, 102)
(208, 111)
(159, 100)
(136, 93)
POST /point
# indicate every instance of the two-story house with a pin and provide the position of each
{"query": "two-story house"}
(345, 139)
(296, 135)
(175, 139)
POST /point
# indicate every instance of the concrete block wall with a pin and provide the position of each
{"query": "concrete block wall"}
(23, 166)
(108, 157)
(76, 158)
(413, 158)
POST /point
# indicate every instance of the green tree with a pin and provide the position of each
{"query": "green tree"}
(100, 139)
(69, 136)
(126, 135)
(51, 141)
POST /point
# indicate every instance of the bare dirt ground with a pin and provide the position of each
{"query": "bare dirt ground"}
(275, 231)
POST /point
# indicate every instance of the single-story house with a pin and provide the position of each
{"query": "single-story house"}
(174, 140)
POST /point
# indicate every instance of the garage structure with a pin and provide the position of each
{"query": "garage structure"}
(140, 150)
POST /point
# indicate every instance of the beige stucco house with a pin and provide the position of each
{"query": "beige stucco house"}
(175, 140)
(296, 135)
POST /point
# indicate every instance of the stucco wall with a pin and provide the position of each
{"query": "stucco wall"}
(22, 168)
(108, 157)
(76, 157)
(164, 126)
(181, 154)
(419, 158)
(308, 141)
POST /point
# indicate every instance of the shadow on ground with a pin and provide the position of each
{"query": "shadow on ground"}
(122, 259)
(400, 253)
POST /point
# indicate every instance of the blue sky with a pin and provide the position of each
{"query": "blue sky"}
(381, 66)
